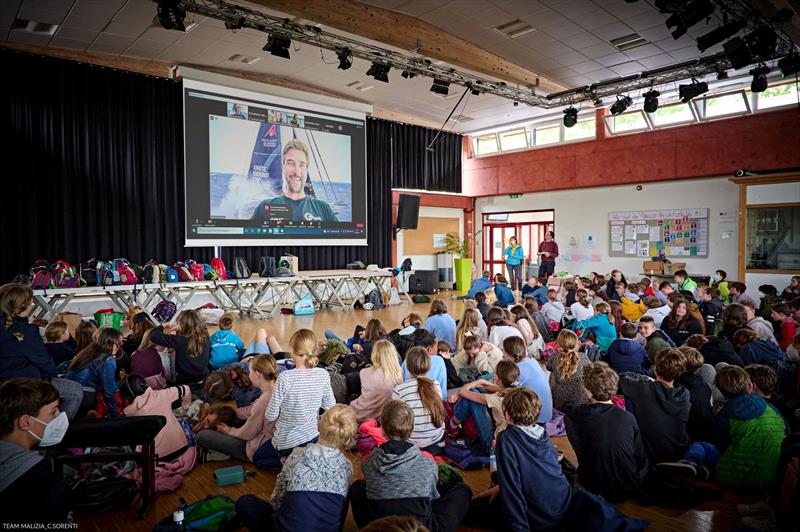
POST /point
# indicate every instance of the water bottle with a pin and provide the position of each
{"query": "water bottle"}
(493, 464)
(178, 515)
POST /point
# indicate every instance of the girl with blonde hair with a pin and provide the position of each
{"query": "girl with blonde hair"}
(378, 381)
(566, 370)
(530, 332)
(470, 323)
(298, 396)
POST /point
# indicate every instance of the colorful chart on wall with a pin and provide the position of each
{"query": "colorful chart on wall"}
(678, 233)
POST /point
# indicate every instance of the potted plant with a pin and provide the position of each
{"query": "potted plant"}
(463, 264)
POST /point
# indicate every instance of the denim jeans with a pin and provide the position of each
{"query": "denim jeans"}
(258, 348)
(702, 453)
(465, 408)
(286, 452)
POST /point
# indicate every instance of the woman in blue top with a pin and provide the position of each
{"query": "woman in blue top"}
(601, 326)
(504, 294)
(514, 257)
(96, 367)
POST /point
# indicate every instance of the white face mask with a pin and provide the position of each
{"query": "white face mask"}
(54, 430)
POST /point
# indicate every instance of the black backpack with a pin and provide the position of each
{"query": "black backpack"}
(99, 496)
(88, 272)
(241, 270)
(267, 267)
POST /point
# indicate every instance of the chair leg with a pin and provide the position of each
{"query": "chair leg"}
(148, 479)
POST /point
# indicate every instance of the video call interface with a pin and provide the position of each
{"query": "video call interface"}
(257, 172)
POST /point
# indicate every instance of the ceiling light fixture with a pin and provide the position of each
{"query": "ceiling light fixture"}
(170, 16)
(704, 42)
(790, 64)
(738, 53)
(570, 116)
(762, 42)
(379, 71)
(621, 105)
(440, 87)
(687, 92)
(759, 83)
(278, 45)
(693, 13)
(345, 58)
(651, 101)
(237, 25)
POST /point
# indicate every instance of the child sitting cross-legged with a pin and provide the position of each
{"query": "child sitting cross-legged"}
(57, 342)
(423, 396)
(311, 490)
(226, 346)
(606, 439)
(399, 480)
(626, 354)
(479, 405)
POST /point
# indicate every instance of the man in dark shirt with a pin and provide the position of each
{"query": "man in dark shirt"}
(548, 251)
(303, 208)
(29, 416)
(611, 457)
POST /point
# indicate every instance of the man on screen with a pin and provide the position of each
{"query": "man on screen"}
(295, 170)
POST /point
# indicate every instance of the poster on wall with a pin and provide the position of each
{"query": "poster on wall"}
(675, 232)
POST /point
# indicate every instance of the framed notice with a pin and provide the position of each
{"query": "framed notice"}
(678, 233)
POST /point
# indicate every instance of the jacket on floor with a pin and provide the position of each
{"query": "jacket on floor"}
(533, 490)
(748, 433)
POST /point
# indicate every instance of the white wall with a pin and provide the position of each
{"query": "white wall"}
(428, 262)
(583, 212)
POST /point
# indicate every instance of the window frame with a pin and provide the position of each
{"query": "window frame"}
(756, 98)
(611, 119)
(692, 110)
(696, 102)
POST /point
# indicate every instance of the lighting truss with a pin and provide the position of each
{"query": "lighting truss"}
(312, 35)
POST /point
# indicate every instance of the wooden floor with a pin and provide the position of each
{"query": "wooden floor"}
(715, 516)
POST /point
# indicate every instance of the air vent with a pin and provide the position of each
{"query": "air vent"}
(515, 28)
(634, 40)
(246, 59)
(359, 86)
(462, 119)
(31, 26)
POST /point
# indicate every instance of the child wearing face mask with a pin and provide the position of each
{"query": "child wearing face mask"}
(29, 416)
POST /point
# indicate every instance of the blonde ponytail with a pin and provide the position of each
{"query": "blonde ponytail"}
(568, 356)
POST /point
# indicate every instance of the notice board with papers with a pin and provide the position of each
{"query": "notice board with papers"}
(679, 233)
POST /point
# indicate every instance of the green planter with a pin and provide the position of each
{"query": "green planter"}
(463, 275)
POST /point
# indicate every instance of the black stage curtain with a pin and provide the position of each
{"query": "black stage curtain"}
(414, 167)
(94, 168)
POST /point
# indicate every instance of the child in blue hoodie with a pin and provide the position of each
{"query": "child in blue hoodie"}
(226, 346)
(626, 354)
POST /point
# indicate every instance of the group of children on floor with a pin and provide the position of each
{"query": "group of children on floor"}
(666, 399)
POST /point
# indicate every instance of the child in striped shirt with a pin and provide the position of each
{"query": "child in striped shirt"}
(424, 396)
(298, 395)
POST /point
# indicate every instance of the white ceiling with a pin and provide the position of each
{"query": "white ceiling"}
(569, 45)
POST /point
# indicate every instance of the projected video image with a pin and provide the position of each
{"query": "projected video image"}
(263, 171)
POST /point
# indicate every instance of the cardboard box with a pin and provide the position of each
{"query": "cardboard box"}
(670, 269)
(554, 280)
(652, 267)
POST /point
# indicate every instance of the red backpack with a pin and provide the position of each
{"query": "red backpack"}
(126, 273)
(41, 277)
(183, 272)
(197, 271)
(218, 266)
(65, 274)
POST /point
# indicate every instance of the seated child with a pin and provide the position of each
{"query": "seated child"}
(533, 492)
(684, 282)
(531, 375)
(606, 439)
(663, 292)
(626, 354)
(647, 287)
(710, 307)
(57, 342)
(480, 284)
(505, 296)
(792, 292)
(482, 305)
(444, 351)
(220, 406)
(661, 409)
(96, 367)
(477, 358)
(754, 350)
(536, 289)
(566, 368)
(399, 480)
(480, 405)
(633, 307)
(655, 339)
(311, 490)
(600, 326)
(699, 425)
(553, 310)
(226, 346)
(787, 325)
(424, 397)
(29, 416)
(147, 363)
(569, 293)
(764, 380)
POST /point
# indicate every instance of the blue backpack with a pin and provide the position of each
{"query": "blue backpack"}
(107, 275)
(172, 275)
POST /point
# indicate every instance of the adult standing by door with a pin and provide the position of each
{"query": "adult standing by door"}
(514, 258)
(548, 251)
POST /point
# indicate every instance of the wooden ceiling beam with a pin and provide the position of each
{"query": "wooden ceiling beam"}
(407, 32)
(163, 69)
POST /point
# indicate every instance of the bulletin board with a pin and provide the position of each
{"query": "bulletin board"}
(680, 233)
(430, 229)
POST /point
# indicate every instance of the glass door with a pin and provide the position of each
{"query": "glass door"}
(495, 240)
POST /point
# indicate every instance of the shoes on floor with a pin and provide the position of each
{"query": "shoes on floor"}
(214, 456)
(682, 468)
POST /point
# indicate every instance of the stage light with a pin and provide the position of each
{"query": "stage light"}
(718, 35)
(170, 16)
(762, 42)
(345, 58)
(722, 74)
(408, 74)
(379, 71)
(669, 6)
(738, 53)
(570, 116)
(687, 92)
(278, 45)
(759, 83)
(621, 104)
(237, 25)
(651, 101)
(790, 64)
(693, 13)
(440, 87)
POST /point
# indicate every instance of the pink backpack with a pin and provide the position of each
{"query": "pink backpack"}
(40, 276)
(218, 266)
(126, 273)
(197, 271)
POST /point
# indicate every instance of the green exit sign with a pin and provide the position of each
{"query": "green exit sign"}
(515, 196)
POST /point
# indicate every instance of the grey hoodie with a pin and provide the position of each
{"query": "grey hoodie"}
(398, 470)
(15, 462)
(763, 329)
